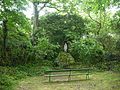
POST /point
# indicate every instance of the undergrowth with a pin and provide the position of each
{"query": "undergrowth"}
(10, 75)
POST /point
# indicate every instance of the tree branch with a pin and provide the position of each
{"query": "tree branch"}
(42, 7)
(93, 19)
(53, 7)
(99, 23)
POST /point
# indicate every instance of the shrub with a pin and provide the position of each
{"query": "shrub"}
(87, 51)
(6, 82)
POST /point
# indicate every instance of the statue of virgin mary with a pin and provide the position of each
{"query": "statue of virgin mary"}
(65, 47)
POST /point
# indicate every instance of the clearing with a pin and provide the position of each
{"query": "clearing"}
(98, 81)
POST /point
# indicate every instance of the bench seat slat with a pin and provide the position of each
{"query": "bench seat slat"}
(66, 75)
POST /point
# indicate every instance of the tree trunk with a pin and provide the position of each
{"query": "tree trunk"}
(5, 34)
(35, 22)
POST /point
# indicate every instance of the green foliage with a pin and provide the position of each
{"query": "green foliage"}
(62, 27)
(15, 32)
(5, 82)
(44, 50)
(87, 51)
(85, 44)
(35, 69)
(108, 41)
(10, 75)
(11, 11)
(64, 59)
(13, 72)
(93, 41)
(115, 22)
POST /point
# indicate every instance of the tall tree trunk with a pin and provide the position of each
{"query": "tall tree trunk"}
(5, 34)
(35, 22)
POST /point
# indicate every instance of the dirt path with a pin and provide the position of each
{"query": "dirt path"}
(98, 81)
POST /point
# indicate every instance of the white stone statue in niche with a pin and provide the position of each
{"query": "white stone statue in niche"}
(65, 47)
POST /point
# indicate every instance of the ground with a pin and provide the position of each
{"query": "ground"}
(98, 81)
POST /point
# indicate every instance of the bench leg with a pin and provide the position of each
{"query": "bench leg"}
(69, 77)
(49, 78)
(87, 76)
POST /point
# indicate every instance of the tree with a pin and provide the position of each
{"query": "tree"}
(37, 10)
(60, 28)
(12, 18)
(96, 10)
(60, 5)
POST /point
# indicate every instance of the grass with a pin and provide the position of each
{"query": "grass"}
(98, 81)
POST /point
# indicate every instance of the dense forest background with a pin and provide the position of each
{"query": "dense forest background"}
(91, 29)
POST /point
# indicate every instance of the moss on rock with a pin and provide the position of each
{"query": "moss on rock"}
(64, 59)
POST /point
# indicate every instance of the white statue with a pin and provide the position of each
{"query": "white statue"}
(65, 47)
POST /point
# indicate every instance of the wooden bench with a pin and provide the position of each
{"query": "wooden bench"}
(52, 73)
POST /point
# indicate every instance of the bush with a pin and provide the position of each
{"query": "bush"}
(20, 75)
(6, 82)
(9, 75)
(44, 50)
(34, 69)
(87, 51)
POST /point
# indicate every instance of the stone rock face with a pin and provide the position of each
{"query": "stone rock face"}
(64, 59)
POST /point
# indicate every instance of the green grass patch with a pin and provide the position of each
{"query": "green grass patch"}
(98, 81)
